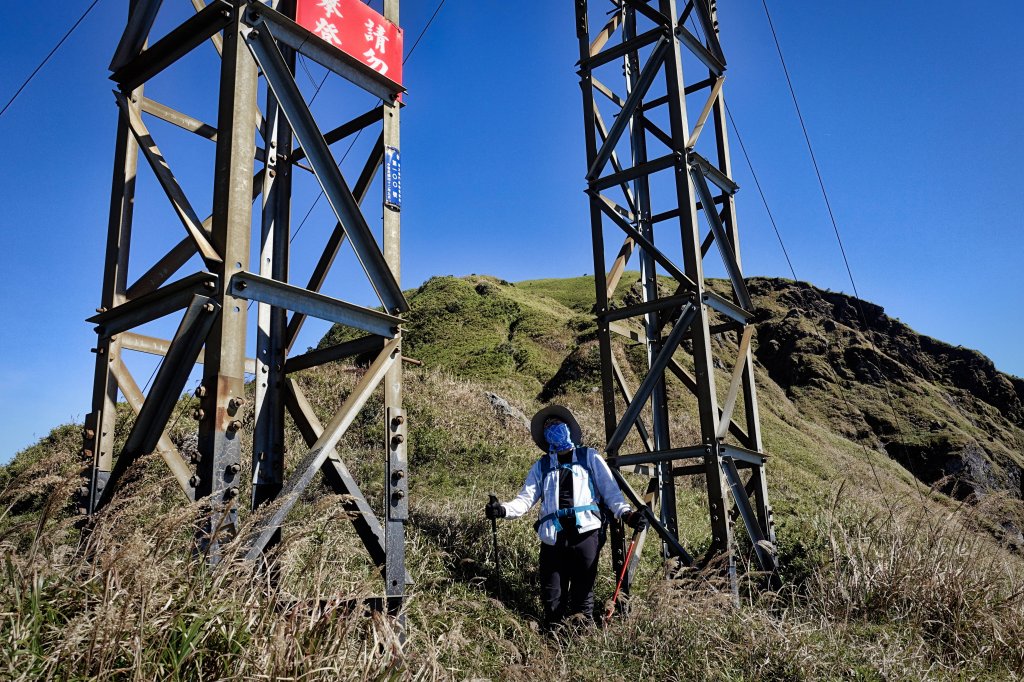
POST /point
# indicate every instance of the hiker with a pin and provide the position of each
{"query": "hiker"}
(570, 481)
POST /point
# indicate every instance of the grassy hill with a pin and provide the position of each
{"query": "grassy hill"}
(894, 472)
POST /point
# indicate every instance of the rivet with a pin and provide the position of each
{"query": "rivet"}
(194, 481)
(234, 468)
(198, 414)
(235, 425)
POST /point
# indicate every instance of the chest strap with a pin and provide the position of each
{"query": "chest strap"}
(568, 511)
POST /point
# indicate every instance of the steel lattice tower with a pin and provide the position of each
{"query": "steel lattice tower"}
(651, 177)
(254, 40)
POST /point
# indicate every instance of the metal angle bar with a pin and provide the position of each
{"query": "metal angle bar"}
(335, 472)
(687, 90)
(654, 103)
(735, 383)
(723, 241)
(689, 470)
(745, 456)
(626, 332)
(691, 383)
(619, 266)
(319, 451)
(607, 92)
(264, 19)
(670, 160)
(180, 254)
(167, 387)
(638, 309)
(314, 358)
(183, 121)
(141, 15)
(714, 174)
(658, 133)
(152, 345)
(172, 47)
(330, 252)
(702, 53)
(182, 208)
(345, 206)
(726, 307)
(602, 131)
(654, 15)
(640, 88)
(360, 122)
(162, 270)
(620, 50)
(608, 207)
(218, 44)
(765, 556)
(706, 245)
(693, 452)
(288, 296)
(703, 118)
(671, 540)
(605, 34)
(152, 306)
(710, 34)
(657, 367)
(164, 447)
(627, 396)
(665, 215)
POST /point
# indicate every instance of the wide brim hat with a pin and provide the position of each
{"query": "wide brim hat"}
(563, 413)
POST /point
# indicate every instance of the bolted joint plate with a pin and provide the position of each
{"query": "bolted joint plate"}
(398, 475)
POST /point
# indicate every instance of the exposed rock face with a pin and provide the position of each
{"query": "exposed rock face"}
(943, 412)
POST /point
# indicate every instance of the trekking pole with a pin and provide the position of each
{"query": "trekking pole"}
(493, 499)
(625, 568)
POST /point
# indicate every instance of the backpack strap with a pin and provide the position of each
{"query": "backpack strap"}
(580, 456)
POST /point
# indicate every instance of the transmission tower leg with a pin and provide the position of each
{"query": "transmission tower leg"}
(272, 321)
(397, 484)
(98, 435)
(224, 368)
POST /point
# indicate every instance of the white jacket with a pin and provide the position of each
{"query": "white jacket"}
(598, 483)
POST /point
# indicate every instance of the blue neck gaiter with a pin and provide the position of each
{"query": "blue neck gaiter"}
(558, 437)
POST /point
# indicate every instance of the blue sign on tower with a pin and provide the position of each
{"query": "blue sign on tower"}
(392, 178)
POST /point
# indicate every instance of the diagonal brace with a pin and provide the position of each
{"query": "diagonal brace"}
(732, 266)
(182, 208)
(763, 549)
(337, 475)
(654, 375)
(264, 530)
(344, 204)
(133, 394)
(167, 387)
(643, 84)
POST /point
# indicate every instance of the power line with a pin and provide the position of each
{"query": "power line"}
(842, 249)
(810, 149)
(47, 57)
(757, 183)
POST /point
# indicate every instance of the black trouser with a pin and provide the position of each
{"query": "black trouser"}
(568, 570)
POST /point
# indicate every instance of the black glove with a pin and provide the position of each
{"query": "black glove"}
(636, 520)
(494, 510)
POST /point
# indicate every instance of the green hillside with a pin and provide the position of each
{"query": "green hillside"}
(894, 472)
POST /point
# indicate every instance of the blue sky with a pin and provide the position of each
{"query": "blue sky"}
(914, 109)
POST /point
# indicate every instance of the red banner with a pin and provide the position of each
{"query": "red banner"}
(357, 30)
